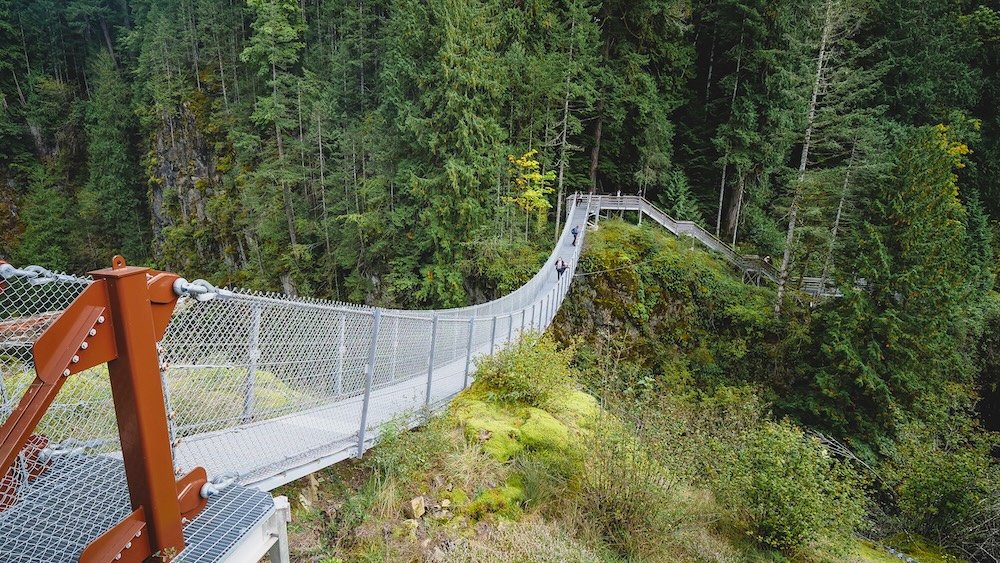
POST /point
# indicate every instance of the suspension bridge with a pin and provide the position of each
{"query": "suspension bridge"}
(147, 416)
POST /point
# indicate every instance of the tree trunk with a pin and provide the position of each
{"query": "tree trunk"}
(595, 152)
(20, 93)
(322, 182)
(286, 192)
(562, 141)
(24, 48)
(725, 158)
(222, 74)
(793, 211)
(828, 262)
(711, 66)
(107, 41)
(734, 221)
(562, 163)
(302, 135)
(127, 16)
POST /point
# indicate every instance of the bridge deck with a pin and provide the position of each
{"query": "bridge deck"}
(304, 442)
(87, 507)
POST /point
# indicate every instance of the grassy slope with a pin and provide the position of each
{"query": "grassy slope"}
(507, 474)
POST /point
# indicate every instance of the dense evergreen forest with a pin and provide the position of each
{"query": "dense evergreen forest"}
(416, 153)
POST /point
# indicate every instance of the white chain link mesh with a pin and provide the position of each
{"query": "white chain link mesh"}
(260, 385)
(80, 425)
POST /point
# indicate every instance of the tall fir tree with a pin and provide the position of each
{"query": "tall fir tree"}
(449, 137)
(49, 224)
(112, 201)
(889, 346)
(274, 50)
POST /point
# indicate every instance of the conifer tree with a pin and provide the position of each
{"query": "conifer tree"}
(449, 133)
(111, 203)
(11, 94)
(890, 345)
(274, 49)
(47, 236)
(676, 198)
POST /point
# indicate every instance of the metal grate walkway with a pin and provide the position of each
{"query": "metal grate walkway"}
(93, 497)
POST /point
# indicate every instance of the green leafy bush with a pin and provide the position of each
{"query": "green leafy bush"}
(627, 495)
(532, 371)
(946, 488)
(941, 490)
(401, 454)
(787, 491)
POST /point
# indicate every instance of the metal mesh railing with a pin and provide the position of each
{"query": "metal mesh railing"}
(263, 385)
(273, 388)
(267, 387)
(49, 476)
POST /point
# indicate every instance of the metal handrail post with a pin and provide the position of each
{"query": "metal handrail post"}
(369, 376)
(430, 359)
(468, 351)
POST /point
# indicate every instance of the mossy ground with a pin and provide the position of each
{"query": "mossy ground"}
(525, 466)
(475, 466)
(503, 482)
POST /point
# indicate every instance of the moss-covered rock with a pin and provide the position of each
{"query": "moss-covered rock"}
(504, 501)
(576, 407)
(543, 431)
(485, 423)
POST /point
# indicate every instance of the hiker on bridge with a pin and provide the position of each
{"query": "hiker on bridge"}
(561, 266)
(576, 233)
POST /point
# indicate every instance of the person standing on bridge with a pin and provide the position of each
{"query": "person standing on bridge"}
(576, 233)
(561, 266)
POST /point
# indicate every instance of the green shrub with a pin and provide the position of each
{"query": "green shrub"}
(787, 491)
(946, 488)
(941, 490)
(531, 371)
(627, 495)
(401, 454)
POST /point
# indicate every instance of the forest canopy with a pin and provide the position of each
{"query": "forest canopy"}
(365, 150)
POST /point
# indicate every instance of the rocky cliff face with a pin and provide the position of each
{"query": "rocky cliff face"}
(187, 163)
(182, 172)
(645, 297)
